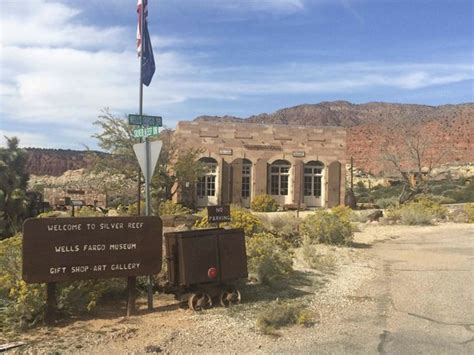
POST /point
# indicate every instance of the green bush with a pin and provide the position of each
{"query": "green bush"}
(469, 211)
(315, 259)
(284, 226)
(87, 211)
(280, 314)
(240, 218)
(268, 257)
(171, 208)
(132, 209)
(422, 211)
(264, 203)
(413, 214)
(22, 305)
(329, 228)
(387, 202)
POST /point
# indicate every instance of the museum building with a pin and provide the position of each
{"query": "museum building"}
(302, 165)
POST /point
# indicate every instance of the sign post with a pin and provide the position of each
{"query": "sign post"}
(147, 154)
(218, 214)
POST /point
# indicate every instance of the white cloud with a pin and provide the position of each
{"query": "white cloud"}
(274, 6)
(26, 139)
(55, 77)
(41, 23)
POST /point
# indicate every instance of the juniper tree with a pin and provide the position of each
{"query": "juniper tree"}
(13, 184)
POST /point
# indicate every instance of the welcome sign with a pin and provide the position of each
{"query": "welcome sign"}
(64, 249)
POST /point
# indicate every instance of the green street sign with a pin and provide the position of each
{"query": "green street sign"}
(145, 132)
(145, 120)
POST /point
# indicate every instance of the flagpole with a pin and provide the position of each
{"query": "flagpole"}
(147, 144)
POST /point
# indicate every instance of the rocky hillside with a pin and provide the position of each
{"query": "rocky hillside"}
(450, 127)
(54, 162)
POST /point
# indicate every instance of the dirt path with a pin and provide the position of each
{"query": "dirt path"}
(400, 290)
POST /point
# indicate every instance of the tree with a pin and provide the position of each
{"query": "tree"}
(409, 151)
(174, 169)
(116, 138)
(13, 184)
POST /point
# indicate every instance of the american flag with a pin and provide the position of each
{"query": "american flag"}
(141, 4)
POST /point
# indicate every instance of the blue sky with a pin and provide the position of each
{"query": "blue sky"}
(61, 62)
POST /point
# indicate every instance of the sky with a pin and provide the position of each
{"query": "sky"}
(63, 61)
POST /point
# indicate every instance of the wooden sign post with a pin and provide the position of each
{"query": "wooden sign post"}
(66, 249)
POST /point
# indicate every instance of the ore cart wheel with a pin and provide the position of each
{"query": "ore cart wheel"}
(229, 297)
(199, 301)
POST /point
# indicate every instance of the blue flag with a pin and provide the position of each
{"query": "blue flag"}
(148, 61)
(144, 48)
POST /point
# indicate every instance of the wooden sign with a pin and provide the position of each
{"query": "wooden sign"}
(218, 214)
(63, 249)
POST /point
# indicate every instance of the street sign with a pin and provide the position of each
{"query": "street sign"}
(145, 120)
(145, 132)
(217, 214)
(78, 203)
(154, 153)
(64, 249)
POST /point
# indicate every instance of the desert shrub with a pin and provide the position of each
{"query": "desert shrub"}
(413, 214)
(22, 305)
(343, 212)
(386, 202)
(132, 209)
(269, 258)
(240, 218)
(458, 215)
(56, 214)
(469, 211)
(171, 208)
(441, 199)
(461, 193)
(83, 296)
(284, 226)
(360, 216)
(280, 314)
(326, 227)
(421, 211)
(393, 214)
(264, 203)
(315, 258)
(434, 207)
(88, 211)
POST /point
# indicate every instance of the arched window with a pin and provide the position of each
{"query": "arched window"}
(206, 185)
(313, 173)
(279, 176)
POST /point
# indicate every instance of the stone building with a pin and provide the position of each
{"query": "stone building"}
(294, 164)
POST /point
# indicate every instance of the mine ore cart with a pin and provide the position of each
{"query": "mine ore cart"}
(203, 266)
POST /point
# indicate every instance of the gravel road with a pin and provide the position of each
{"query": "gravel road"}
(420, 300)
(400, 290)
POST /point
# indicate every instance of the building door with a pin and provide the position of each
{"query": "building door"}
(246, 182)
(206, 187)
(279, 181)
(313, 184)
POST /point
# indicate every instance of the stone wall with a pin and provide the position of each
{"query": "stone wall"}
(230, 142)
